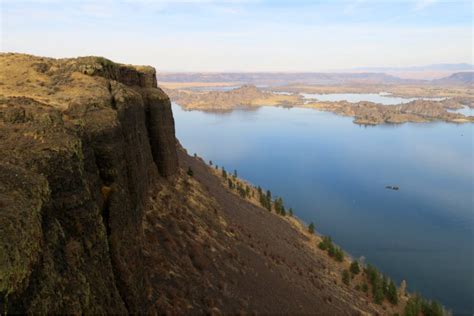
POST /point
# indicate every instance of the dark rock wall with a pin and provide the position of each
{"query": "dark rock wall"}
(73, 186)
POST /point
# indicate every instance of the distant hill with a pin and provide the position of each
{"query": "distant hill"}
(433, 67)
(459, 78)
(270, 78)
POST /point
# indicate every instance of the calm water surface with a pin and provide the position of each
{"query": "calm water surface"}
(467, 111)
(333, 173)
(382, 98)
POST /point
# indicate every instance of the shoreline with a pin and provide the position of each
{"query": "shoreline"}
(363, 112)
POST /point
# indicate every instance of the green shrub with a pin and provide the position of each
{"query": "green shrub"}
(311, 228)
(355, 269)
(339, 254)
(365, 288)
(346, 277)
(190, 172)
(413, 306)
(392, 294)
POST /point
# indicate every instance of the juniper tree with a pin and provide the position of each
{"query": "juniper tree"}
(339, 254)
(311, 228)
(190, 172)
(392, 294)
(355, 269)
(278, 205)
(346, 277)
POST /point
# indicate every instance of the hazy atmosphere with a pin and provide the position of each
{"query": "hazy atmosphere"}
(237, 157)
(244, 35)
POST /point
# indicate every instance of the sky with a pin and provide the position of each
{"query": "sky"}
(244, 35)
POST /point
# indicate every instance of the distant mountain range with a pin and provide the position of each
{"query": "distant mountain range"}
(459, 78)
(270, 78)
(434, 67)
(278, 79)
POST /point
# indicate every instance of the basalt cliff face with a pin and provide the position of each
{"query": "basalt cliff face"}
(82, 141)
(97, 213)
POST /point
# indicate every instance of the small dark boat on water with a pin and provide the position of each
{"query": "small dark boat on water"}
(392, 187)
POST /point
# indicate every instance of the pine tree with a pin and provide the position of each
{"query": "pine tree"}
(210, 162)
(311, 228)
(235, 173)
(355, 269)
(190, 172)
(224, 173)
(339, 254)
(290, 211)
(392, 294)
(346, 277)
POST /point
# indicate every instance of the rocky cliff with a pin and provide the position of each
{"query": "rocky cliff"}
(97, 213)
(82, 142)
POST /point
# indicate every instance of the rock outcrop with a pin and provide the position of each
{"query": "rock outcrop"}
(82, 142)
(97, 216)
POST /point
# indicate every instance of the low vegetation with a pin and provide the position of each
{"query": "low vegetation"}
(332, 250)
(382, 289)
(417, 305)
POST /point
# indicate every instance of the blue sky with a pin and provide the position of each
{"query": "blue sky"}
(244, 35)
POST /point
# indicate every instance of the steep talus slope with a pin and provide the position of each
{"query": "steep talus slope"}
(96, 216)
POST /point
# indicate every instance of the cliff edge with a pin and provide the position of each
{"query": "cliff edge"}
(82, 142)
(98, 215)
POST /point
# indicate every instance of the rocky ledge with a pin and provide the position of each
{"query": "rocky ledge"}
(82, 142)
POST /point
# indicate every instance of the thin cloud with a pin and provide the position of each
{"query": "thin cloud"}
(423, 4)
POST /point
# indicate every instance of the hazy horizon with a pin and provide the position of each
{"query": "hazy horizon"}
(244, 35)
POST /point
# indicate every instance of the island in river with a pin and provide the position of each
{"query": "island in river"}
(427, 102)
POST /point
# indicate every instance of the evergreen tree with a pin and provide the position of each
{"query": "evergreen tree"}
(224, 173)
(268, 202)
(355, 269)
(278, 205)
(290, 211)
(365, 288)
(392, 294)
(377, 284)
(235, 173)
(311, 228)
(384, 285)
(190, 172)
(326, 243)
(339, 254)
(346, 277)
(413, 306)
(195, 155)
(210, 162)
